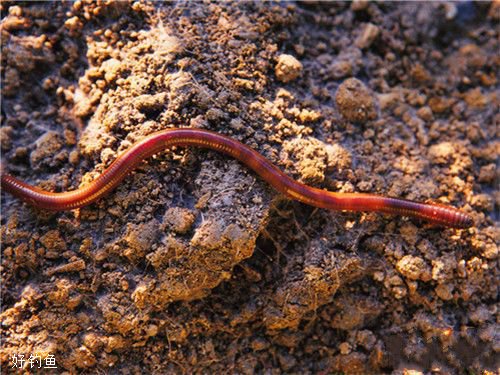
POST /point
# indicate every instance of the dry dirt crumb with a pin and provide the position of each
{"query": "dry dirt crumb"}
(368, 35)
(179, 219)
(46, 149)
(288, 68)
(414, 268)
(355, 101)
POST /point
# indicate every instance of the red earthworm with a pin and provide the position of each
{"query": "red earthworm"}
(130, 159)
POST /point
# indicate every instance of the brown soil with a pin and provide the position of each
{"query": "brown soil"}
(194, 264)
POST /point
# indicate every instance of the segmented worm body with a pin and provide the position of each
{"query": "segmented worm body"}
(152, 144)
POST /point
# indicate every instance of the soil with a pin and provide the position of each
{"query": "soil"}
(194, 264)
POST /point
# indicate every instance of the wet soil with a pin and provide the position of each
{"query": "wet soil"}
(194, 264)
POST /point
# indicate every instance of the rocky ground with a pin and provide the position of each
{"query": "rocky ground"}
(194, 264)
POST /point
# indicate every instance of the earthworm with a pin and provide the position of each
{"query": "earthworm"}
(152, 144)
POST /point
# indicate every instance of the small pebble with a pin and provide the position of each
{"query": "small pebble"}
(367, 37)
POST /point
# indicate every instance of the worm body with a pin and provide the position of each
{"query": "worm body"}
(152, 144)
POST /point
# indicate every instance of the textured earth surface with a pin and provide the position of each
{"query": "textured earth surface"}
(194, 264)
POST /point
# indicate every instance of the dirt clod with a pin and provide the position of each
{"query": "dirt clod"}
(355, 101)
(414, 268)
(47, 147)
(288, 68)
(179, 220)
